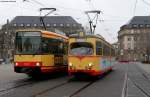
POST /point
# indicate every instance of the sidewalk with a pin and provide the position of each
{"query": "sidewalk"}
(145, 67)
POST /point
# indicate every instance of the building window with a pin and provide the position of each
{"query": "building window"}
(68, 25)
(41, 25)
(21, 25)
(15, 24)
(129, 39)
(28, 25)
(61, 25)
(55, 25)
(135, 31)
(35, 25)
(74, 25)
(47, 25)
(141, 25)
(129, 46)
(148, 25)
(134, 25)
(135, 38)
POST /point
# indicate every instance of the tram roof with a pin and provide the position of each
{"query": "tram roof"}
(90, 36)
(44, 32)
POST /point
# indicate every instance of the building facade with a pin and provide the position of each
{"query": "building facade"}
(64, 24)
(134, 38)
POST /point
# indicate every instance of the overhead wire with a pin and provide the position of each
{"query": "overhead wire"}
(110, 35)
(39, 3)
(147, 3)
(135, 5)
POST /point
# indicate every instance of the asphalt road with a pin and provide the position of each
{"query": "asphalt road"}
(110, 85)
(19, 85)
(7, 73)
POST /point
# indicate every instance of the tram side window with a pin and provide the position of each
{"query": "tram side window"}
(112, 52)
(65, 48)
(106, 50)
(52, 46)
(98, 48)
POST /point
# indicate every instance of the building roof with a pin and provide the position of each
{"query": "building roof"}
(140, 20)
(136, 21)
(47, 20)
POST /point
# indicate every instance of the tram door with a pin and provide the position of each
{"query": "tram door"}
(58, 56)
(58, 60)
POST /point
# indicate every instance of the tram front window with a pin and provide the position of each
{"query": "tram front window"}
(81, 48)
(28, 43)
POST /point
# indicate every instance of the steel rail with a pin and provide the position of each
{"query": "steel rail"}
(50, 89)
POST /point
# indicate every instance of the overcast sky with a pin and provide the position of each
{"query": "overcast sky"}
(115, 12)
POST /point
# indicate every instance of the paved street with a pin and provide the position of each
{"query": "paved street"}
(126, 80)
(7, 73)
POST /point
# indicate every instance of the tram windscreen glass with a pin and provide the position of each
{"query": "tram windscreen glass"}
(81, 48)
(28, 43)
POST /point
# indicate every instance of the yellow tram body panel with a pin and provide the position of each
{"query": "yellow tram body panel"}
(46, 60)
(27, 58)
(81, 63)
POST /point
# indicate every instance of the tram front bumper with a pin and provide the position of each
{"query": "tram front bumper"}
(88, 72)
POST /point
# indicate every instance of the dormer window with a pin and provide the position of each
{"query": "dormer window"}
(61, 25)
(141, 25)
(148, 25)
(55, 25)
(28, 25)
(74, 25)
(21, 25)
(48, 25)
(68, 25)
(34, 25)
(134, 25)
(41, 25)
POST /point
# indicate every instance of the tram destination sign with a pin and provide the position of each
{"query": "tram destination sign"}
(81, 39)
(29, 34)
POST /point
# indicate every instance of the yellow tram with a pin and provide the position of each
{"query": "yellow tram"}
(89, 55)
(38, 51)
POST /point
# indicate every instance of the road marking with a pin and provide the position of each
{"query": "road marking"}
(124, 86)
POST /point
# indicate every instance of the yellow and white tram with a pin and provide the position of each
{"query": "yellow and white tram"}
(89, 55)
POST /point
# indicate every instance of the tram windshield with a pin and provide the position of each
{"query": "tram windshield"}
(81, 48)
(28, 43)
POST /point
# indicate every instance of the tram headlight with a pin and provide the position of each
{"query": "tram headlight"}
(90, 64)
(70, 64)
(37, 64)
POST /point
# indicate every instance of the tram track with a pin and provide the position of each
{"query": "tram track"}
(61, 85)
(139, 79)
(140, 88)
(81, 89)
(49, 89)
